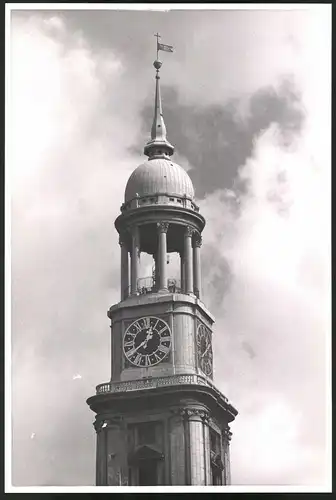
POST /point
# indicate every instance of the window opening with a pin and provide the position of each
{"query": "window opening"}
(148, 473)
(146, 433)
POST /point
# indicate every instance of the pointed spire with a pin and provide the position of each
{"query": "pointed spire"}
(158, 146)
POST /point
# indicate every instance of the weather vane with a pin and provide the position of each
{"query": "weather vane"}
(162, 46)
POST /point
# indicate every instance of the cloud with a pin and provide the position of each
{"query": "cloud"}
(60, 230)
(276, 306)
(217, 140)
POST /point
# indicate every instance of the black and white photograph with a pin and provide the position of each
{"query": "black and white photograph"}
(168, 247)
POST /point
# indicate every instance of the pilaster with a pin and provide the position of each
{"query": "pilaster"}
(226, 438)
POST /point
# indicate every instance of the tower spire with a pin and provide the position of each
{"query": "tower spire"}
(158, 146)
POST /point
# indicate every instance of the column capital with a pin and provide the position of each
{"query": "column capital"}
(162, 226)
(227, 434)
(122, 239)
(191, 413)
(98, 425)
(189, 231)
(198, 240)
(196, 413)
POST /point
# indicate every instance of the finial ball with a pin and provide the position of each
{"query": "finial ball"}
(157, 64)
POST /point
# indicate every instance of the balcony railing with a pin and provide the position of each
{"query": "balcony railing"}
(163, 199)
(148, 285)
(152, 383)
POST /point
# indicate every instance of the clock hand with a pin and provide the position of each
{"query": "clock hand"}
(143, 343)
(130, 353)
(206, 350)
(149, 336)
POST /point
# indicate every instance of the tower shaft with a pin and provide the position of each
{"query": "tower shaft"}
(160, 420)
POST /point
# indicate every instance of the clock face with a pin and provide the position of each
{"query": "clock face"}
(147, 341)
(204, 349)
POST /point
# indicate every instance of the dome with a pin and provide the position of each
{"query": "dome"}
(156, 176)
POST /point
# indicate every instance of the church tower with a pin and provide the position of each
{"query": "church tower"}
(161, 420)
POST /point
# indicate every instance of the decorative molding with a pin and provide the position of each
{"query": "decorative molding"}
(152, 383)
(189, 231)
(227, 434)
(198, 240)
(122, 240)
(98, 425)
(162, 226)
(105, 423)
(191, 412)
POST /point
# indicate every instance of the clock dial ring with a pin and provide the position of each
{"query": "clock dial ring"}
(204, 349)
(147, 341)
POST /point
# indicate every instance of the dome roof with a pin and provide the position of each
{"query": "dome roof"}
(156, 176)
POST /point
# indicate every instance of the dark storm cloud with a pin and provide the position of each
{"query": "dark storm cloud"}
(216, 142)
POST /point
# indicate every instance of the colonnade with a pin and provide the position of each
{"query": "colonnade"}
(190, 261)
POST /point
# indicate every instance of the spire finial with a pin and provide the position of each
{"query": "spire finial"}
(158, 146)
(157, 45)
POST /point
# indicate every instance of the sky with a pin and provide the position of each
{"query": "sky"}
(246, 102)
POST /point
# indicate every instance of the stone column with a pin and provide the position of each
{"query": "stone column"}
(97, 426)
(182, 272)
(188, 260)
(207, 464)
(101, 453)
(156, 271)
(197, 448)
(197, 265)
(135, 259)
(117, 470)
(124, 274)
(226, 437)
(177, 446)
(162, 254)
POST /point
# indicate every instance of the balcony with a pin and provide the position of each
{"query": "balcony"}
(155, 382)
(148, 285)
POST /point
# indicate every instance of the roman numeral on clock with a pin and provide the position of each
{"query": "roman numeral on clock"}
(164, 349)
(129, 343)
(138, 327)
(137, 358)
(146, 322)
